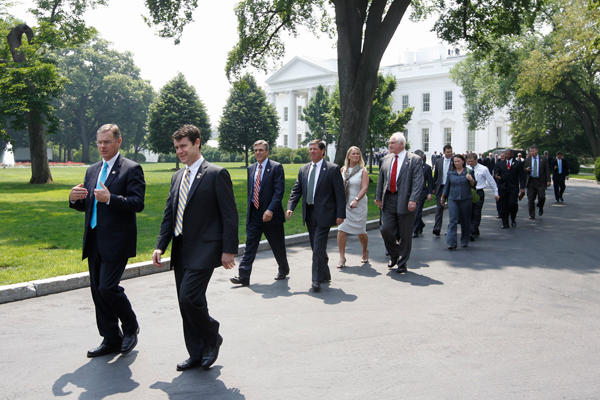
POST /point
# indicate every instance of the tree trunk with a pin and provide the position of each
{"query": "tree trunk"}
(40, 170)
(85, 143)
(246, 155)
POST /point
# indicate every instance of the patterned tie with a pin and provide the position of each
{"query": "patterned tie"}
(311, 185)
(183, 193)
(102, 179)
(534, 172)
(257, 186)
(393, 175)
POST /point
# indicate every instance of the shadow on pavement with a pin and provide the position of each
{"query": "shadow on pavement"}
(198, 384)
(413, 278)
(273, 290)
(99, 378)
(361, 270)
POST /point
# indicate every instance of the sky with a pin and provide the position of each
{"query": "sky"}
(202, 53)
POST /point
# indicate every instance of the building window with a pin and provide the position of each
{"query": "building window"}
(300, 116)
(470, 140)
(498, 136)
(285, 140)
(448, 100)
(425, 102)
(425, 139)
(285, 113)
(447, 136)
(404, 102)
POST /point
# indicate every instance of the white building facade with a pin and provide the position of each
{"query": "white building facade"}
(423, 82)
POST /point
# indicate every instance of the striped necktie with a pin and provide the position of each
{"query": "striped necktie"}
(257, 186)
(183, 193)
(101, 179)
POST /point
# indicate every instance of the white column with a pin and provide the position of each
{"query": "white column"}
(273, 99)
(292, 117)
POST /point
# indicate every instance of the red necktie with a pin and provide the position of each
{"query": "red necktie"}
(257, 186)
(508, 165)
(393, 175)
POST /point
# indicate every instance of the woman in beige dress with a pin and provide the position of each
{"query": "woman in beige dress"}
(356, 183)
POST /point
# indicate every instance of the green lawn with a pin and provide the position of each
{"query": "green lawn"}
(587, 177)
(40, 236)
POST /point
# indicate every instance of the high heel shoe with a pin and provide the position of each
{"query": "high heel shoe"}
(341, 264)
(365, 259)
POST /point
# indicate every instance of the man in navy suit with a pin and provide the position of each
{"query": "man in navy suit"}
(112, 192)
(264, 213)
(321, 187)
(560, 172)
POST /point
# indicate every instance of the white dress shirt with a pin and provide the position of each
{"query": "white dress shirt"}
(484, 178)
(445, 169)
(401, 157)
(193, 171)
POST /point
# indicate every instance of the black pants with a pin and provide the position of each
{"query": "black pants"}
(476, 213)
(509, 205)
(439, 211)
(396, 229)
(559, 186)
(199, 328)
(536, 187)
(318, 235)
(110, 301)
(419, 224)
(275, 236)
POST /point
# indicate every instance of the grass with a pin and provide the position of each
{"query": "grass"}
(586, 177)
(41, 236)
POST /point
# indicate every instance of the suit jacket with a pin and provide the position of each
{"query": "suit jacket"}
(271, 190)
(457, 186)
(428, 187)
(510, 181)
(544, 169)
(554, 167)
(329, 195)
(438, 172)
(116, 226)
(490, 163)
(409, 184)
(210, 219)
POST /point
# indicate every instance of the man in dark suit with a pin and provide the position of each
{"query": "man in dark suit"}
(537, 179)
(490, 163)
(111, 193)
(264, 213)
(441, 167)
(426, 193)
(399, 189)
(321, 187)
(511, 186)
(202, 220)
(560, 172)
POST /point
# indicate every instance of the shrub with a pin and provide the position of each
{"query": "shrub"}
(211, 154)
(283, 155)
(139, 157)
(597, 169)
(303, 155)
(574, 164)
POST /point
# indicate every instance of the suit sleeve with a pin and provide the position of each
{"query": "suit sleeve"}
(380, 182)
(295, 193)
(228, 212)
(429, 179)
(166, 227)
(136, 188)
(447, 185)
(278, 188)
(417, 179)
(340, 193)
(79, 205)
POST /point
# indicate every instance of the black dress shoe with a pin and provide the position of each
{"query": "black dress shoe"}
(188, 364)
(514, 224)
(316, 287)
(280, 276)
(401, 268)
(452, 247)
(103, 349)
(129, 341)
(472, 238)
(240, 281)
(531, 217)
(392, 262)
(436, 233)
(209, 356)
(505, 226)
(541, 211)
(416, 235)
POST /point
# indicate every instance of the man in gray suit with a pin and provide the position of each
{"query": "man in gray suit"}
(441, 167)
(398, 190)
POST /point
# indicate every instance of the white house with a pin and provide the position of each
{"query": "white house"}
(423, 81)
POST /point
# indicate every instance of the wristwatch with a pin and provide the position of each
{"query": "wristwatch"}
(356, 198)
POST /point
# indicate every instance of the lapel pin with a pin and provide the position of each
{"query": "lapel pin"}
(199, 175)
(268, 169)
(113, 172)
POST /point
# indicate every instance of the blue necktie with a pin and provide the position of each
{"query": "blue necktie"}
(94, 219)
(560, 166)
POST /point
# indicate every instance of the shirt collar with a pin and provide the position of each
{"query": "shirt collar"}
(196, 165)
(112, 161)
(264, 163)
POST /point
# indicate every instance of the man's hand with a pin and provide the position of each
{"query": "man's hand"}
(548, 184)
(288, 214)
(102, 195)
(442, 199)
(497, 197)
(379, 203)
(412, 206)
(339, 221)
(267, 216)
(228, 260)
(156, 257)
(78, 193)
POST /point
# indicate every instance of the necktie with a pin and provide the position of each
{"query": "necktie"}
(311, 185)
(560, 166)
(393, 175)
(534, 171)
(257, 186)
(183, 193)
(94, 219)
(508, 165)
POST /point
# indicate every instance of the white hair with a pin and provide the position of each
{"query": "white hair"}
(399, 137)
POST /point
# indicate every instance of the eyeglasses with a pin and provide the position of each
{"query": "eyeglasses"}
(104, 142)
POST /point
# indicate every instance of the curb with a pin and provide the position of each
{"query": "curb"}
(63, 283)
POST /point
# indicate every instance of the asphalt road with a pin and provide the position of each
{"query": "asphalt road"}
(514, 316)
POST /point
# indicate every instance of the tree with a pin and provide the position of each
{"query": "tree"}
(247, 117)
(315, 115)
(177, 104)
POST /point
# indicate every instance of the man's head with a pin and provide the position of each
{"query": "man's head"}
(397, 142)
(533, 150)
(108, 139)
(316, 150)
(261, 150)
(508, 154)
(187, 144)
(559, 155)
(472, 159)
(447, 151)
(421, 154)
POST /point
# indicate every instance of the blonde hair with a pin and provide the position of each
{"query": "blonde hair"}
(347, 162)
